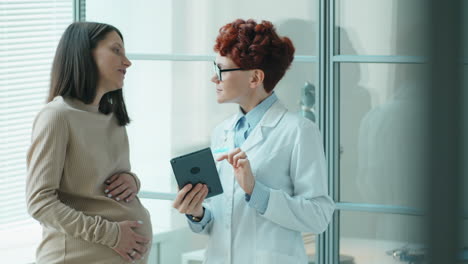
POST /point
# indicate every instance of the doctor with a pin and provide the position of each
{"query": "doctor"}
(274, 176)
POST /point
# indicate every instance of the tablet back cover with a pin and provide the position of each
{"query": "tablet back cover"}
(197, 167)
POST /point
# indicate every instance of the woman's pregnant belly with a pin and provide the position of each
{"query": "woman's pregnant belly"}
(58, 246)
(112, 210)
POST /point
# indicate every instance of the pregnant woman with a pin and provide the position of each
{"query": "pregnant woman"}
(80, 186)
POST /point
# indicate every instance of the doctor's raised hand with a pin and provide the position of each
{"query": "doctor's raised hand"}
(242, 170)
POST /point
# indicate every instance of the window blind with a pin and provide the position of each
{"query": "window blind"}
(29, 34)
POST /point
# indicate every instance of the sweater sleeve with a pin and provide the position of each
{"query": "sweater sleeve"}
(45, 162)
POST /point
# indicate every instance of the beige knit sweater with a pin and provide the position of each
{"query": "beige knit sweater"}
(74, 149)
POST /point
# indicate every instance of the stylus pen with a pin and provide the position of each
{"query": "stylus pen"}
(220, 150)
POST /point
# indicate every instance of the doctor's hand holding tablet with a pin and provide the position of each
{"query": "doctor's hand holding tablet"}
(190, 198)
(197, 177)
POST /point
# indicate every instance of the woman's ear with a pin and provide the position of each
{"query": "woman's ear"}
(256, 78)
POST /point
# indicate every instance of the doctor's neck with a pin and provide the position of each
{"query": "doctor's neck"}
(253, 99)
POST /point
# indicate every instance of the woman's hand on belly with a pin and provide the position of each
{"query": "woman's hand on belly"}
(121, 187)
(131, 246)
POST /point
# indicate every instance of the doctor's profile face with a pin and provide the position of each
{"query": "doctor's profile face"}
(234, 87)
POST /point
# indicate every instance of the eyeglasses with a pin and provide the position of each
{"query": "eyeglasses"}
(218, 71)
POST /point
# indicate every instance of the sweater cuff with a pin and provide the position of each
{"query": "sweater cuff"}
(259, 198)
(114, 242)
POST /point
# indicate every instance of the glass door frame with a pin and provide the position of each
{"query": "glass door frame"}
(328, 247)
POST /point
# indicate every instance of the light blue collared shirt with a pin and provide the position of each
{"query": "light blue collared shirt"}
(244, 126)
(247, 122)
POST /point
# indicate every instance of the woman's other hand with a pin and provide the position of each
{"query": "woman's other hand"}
(121, 187)
(131, 246)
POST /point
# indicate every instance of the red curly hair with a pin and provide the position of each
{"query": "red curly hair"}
(256, 46)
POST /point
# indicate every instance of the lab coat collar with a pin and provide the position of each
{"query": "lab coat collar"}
(273, 115)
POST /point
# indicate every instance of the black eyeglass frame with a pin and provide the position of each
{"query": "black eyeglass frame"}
(219, 72)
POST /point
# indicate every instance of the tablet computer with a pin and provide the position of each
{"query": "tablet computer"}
(197, 167)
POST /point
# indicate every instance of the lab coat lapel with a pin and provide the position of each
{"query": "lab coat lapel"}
(228, 129)
(271, 118)
(230, 124)
(254, 138)
(228, 178)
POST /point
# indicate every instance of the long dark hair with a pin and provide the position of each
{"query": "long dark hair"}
(75, 73)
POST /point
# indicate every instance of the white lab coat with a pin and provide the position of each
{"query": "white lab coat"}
(286, 155)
